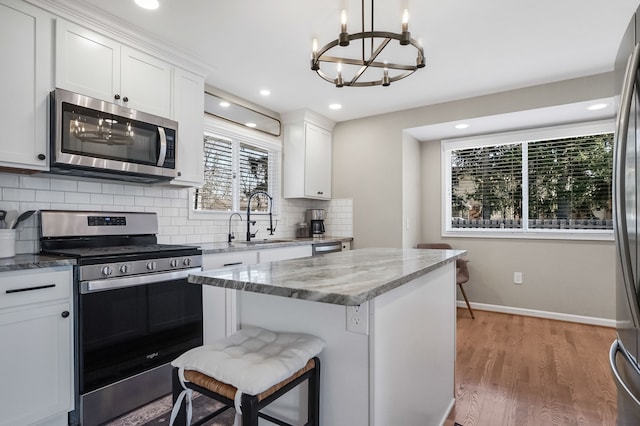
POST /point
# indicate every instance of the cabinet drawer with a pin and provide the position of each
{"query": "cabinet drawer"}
(34, 285)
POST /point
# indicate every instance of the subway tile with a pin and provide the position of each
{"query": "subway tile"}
(112, 188)
(93, 187)
(64, 185)
(31, 182)
(50, 196)
(105, 199)
(9, 180)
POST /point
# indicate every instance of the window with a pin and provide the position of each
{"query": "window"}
(542, 182)
(236, 166)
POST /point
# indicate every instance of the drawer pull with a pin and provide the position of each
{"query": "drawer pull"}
(231, 264)
(20, 290)
(65, 314)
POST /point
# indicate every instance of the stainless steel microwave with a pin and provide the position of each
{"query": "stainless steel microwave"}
(94, 138)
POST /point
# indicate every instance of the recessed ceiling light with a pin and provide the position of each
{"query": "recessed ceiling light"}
(252, 125)
(335, 106)
(224, 104)
(596, 107)
(265, 92)
(148, 4)
(461, 126)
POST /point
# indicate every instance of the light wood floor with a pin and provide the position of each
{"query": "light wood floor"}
(516, 370)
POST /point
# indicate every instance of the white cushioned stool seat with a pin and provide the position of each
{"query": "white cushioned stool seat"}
(252, 361)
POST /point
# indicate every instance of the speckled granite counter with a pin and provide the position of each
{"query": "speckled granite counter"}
(258, 244)
(33, 261)
(346, 278)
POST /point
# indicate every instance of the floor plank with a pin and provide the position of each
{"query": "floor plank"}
(517, 370)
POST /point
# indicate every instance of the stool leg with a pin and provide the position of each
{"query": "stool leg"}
(313, 413)
(249, 407)
(176, 389)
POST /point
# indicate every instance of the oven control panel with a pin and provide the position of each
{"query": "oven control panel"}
(138, 267)
(106, 221)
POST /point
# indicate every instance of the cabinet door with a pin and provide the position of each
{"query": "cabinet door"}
(188, 101)
(86, 62)
(25, 45)
(317, 162)
(35, 363)
(145, 82)
(220, 305)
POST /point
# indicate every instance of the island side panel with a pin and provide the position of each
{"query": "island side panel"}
(344, 381)
(413, 351)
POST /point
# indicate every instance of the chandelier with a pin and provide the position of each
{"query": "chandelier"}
(365, 65)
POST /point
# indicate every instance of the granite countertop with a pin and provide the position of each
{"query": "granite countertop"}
(344, 278)
(33, 261)
(262, 244)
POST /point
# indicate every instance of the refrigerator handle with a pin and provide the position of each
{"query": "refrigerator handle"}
(615, 348)
(621, 133)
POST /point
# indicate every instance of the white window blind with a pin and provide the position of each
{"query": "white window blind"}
(530, 181)
(570, 182)
(217, 191)
(234, 170)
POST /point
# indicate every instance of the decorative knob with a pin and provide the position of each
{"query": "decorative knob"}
(174, 263)
(125, 99)
(179, 173)
(186, 262)
(107, 270)
(117, 97)
(125, 269)
(65, 314)
(151, 266)
(42, 157)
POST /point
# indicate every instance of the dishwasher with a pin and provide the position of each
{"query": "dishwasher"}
(325, 248)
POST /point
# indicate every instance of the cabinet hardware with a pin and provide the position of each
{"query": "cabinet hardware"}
(231, 264)
(41, 157)
(125, 99)
(65, 314)
(116, 97)
(20, 290)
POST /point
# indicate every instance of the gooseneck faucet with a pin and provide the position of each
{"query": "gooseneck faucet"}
(231, 236)
(271, 228)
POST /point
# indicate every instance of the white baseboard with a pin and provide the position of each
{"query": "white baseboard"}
(540, 314)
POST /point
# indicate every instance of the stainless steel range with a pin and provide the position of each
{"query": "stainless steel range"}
(135, 311)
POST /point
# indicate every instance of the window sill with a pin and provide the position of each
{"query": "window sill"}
(532, 235)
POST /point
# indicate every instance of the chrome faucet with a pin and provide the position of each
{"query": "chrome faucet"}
(231, 236)
(271, 228)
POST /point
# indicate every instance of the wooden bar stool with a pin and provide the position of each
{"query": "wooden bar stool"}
(248, 370)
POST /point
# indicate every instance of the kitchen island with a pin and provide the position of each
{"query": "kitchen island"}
(388, 319)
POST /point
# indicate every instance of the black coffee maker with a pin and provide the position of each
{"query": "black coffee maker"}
(315, 220)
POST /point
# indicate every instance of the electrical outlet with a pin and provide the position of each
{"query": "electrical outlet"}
(517, 277)
(358, 318)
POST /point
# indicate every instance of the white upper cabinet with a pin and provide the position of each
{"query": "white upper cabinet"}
(91, 64)
(25, 45)
(307, 156)
(189, 112)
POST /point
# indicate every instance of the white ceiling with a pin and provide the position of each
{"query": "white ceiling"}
(472, 47)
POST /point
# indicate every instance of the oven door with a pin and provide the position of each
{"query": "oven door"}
(137, 324)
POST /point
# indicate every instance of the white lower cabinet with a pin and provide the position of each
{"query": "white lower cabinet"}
(220, 305)
(36, 360)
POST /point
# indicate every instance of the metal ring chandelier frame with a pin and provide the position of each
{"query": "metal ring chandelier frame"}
(404, 38)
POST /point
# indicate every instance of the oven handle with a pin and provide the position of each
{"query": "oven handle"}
(115, 283)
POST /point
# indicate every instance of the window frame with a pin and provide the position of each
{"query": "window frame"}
(237, 135)
(521, 136)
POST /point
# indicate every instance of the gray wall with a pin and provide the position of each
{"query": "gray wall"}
(368, 166)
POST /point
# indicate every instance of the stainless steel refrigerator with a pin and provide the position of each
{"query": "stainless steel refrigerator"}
(624, 355)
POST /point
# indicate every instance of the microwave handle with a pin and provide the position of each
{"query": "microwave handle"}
(163, 146)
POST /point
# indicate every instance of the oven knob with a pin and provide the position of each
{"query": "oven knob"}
(151, 266)
(107, 270)
(125, 269)
(186, 262)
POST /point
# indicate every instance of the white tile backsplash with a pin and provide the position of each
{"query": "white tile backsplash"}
(40, 192)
